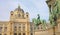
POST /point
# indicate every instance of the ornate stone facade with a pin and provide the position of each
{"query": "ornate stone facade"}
(19, 24)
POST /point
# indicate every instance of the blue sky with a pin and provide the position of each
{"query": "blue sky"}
(34, 7)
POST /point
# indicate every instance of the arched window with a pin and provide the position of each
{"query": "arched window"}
(0, 34)
(15, 33)
(19, 33)
(5, 34)
(27, 16)
(31, 33)
(19, 15)
(11, 14)
(23, 33)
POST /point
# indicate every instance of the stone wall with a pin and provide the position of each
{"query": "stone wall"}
(45, 32)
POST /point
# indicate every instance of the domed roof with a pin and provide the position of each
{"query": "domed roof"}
(19, 9)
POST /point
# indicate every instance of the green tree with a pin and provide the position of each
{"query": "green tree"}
(54, 16)
(43, 24)
(53, 22)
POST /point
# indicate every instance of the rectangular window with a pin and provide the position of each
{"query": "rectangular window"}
(15, 28)
(31, 28)
(19, 33)
(19, 27)
(5, 29)
(0, 29)
(0, 34)
(31, 33)
(15, 33)
(23, 33)
(23, 27)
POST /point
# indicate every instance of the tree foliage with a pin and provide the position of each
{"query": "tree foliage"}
(43, 24)
(54, 15)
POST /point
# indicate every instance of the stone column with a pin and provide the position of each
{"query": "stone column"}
(3, 30)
